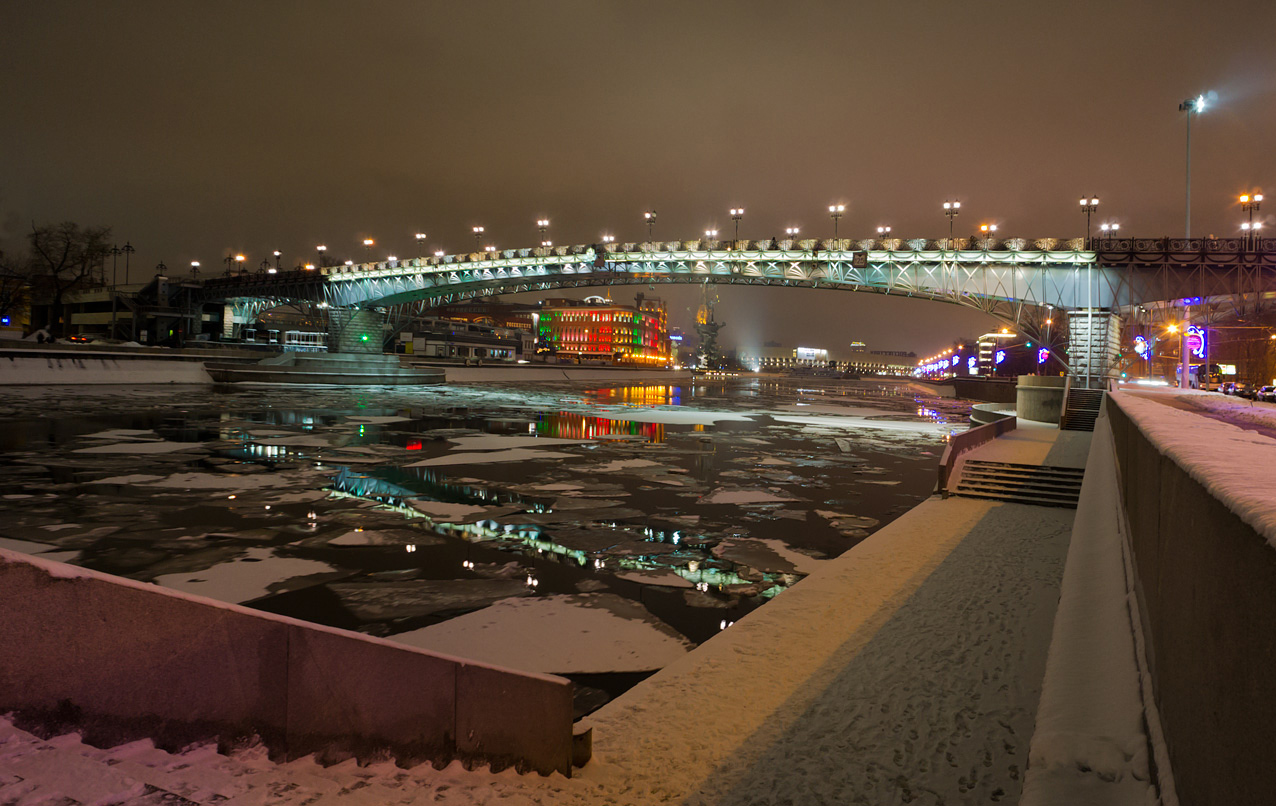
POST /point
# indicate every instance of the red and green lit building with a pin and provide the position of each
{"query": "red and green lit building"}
(597, 329)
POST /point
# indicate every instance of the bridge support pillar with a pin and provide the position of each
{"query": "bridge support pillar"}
(240, 311)
(1094, 336)
(355, 330)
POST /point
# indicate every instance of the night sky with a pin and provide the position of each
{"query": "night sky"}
(195, 130)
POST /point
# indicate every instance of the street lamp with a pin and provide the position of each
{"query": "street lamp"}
(1109, 230)
(883, 233)
(835, 212)
(277, 253)
(1250, 203)
(1251, 232)
(650, 216)
(489, 249)
(1192, 106)
(321, 249)
(127, 249)
(1088, 206)
(478, 234)
(988, 231)
(542, 224)
(420, 240)
(711, 234)
(951, 209)
(240, 259)
(194, 269)
(737, 213)
(792, 232)
(367, 249)
(608, 238)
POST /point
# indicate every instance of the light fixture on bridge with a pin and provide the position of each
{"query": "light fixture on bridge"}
(650, 217)
(420, 236)
(1250, 203)
(391, 258)
(1109, 229)
(882, 232)
(988, 230)
(792, 232)
(542, 224)
(194, 268)
(489, 248)
(309, 267)
(951, 209)
(711, 234)
(835, 212)
(438, 253)
(608, 238)
(547, 243)
(478, 235)
(737, 214)
(321, 249)
(1088, 206)
(349, 262)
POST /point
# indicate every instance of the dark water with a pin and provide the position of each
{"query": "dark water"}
(710, 510)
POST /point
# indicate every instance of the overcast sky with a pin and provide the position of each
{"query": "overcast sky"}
(198, 129)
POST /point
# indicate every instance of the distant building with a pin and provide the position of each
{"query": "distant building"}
(444, 338)
(599, 330)
(510, 315)
(773, 357)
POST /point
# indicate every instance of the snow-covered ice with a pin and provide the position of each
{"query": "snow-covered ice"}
(584, 633)
(250, 576)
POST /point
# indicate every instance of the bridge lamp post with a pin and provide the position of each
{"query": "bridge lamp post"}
(127, 249)
(194, 269)
(737, 214)
(367, 249)
(1088, 206)
(988, 231)
(608, 238)
(542, 224)
(883, 233)
(478, 234)
(951, 209)
(1250, 203)
(277, 253)
(791, 232)
(1109, 230)
(650, 217)
(321, 249)
(1251, 233)
(835, 212)
(241, 259)
(420, 241)
(1192, 106)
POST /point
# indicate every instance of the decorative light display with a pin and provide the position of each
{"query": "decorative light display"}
(1142, 347)
(1196, 341)
(1001, 356)
(956, 360)
(1043, 355)
(972, 365)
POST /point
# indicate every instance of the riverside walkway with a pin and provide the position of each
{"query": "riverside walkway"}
(907, 670)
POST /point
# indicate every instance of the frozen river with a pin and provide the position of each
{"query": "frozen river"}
(593, 530)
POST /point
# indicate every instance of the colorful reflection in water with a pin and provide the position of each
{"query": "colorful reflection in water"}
(567, 425)
(637, 395)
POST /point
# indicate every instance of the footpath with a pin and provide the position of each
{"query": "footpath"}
(907, 670)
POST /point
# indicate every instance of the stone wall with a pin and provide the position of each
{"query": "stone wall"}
(1207, 590)
(121, 660)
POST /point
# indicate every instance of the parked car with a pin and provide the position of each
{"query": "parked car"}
(1245, 390)
(1267, 394)
(1228, 388)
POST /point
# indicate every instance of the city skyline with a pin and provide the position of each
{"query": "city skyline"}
(198, 132)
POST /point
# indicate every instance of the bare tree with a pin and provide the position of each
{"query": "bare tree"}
(64, 258)
(15, 285)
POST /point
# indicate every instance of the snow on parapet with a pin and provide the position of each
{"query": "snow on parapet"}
(1228, 461)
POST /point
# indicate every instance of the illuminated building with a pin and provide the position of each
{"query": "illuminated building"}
(597, 329)
(774, 358)
(990, 344)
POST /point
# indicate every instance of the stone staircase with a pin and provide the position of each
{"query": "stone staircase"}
(1081, 409)
(63, 771)
(1037, 485)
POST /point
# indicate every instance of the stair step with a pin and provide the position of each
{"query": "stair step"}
(1016, 484)
(1021, 491)
(1016, 499)
(1067, 472)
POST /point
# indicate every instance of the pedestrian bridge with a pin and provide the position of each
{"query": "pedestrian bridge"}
(1017, 281)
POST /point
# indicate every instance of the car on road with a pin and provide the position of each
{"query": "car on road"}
(1228, 388)
(1245, 390)
(1267, 394)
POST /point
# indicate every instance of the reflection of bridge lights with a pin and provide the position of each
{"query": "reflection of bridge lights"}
(468, 565)
(722, 625)
(533, 582)
(411, 547)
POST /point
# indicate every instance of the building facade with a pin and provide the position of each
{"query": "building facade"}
(596, 329)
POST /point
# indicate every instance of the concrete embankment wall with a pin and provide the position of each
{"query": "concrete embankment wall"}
(1206, 582)
(561, 372)
(122, 660)
(71, 369)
